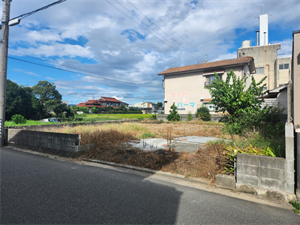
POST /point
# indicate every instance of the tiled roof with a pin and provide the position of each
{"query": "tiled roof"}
(98, 103)
(81, 105)
(209, 65)
(89, 105)
(108, 99)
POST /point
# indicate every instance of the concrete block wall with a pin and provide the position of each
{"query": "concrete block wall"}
(263, 172)
(44, 140)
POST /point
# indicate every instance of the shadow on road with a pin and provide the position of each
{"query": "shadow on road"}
(39, 190)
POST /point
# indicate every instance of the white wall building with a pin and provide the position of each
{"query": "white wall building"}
(185, 85)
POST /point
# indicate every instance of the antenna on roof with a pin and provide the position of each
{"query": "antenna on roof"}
(202, 60)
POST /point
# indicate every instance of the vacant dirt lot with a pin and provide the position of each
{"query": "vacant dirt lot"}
(109, 145)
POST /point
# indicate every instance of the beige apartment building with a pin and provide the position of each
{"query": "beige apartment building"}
(185, 85)
(277, 70)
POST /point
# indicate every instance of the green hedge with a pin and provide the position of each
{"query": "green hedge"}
(120, 112)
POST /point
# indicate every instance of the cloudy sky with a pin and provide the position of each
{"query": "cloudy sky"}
(116, 48)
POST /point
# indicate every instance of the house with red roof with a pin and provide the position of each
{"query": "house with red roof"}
(185, 85)
(103, 102)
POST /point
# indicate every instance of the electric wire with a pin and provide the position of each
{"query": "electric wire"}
(166, 41)
(161, 29)
(167, 25)
(82, 72)
(22, 16)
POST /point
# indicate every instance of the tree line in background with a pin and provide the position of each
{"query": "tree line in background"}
(43, 99)
(35, 102)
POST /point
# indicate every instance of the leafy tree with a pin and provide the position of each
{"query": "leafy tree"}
(20, 100)
(47, 95)
(159, 104)
(109, 108)
(63, 111)
(240, 102)
(123, 108)
(173, 116)
(75, 109)
(203, 113)
(94, 109)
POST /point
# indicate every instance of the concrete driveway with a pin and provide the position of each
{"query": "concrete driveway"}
(188, 143)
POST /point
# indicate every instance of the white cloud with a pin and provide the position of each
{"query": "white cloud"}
(57, 49)
(95, 31)
(26, 72)
(286, 48)
(45, 36)
(231, 55)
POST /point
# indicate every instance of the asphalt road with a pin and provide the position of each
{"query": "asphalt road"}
(40, 190)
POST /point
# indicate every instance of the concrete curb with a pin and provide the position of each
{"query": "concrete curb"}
(146, 170)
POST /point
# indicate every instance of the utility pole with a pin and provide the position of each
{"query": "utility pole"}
(6, 22)
(143, 104)
(3, 68)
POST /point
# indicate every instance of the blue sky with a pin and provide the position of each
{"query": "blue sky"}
(116, 48)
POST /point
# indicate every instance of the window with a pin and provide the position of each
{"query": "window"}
(284, 66)
(209, 79)
(260, 70)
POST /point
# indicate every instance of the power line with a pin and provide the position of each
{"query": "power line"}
(164, 40)
(86, 73)
(167, 24)
(160, 28)
(37, 10)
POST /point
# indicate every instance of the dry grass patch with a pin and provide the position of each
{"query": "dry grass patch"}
(107, 143)
(206, 162)
(158, 130)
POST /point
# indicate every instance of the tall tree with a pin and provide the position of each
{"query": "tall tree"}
(20, 100)
(243, 104)
(47, 95)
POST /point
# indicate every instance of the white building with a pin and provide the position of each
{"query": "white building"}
(185, 85)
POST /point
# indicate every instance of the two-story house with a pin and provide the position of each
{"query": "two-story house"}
(185, 85)
(102, 102)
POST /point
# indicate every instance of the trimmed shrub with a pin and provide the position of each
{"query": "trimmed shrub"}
(189, 116)
(203, 113)
(173, 116)
(18, 119)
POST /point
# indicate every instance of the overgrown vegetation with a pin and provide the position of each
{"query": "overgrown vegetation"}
(203, 113)
(28, 123)
(108, 145)
(296, 206)
(259, 126)
(189, 116)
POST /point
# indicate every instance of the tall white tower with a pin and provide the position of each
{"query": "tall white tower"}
(263, 30)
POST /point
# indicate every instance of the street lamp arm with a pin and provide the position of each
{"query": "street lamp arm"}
(37, 10)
